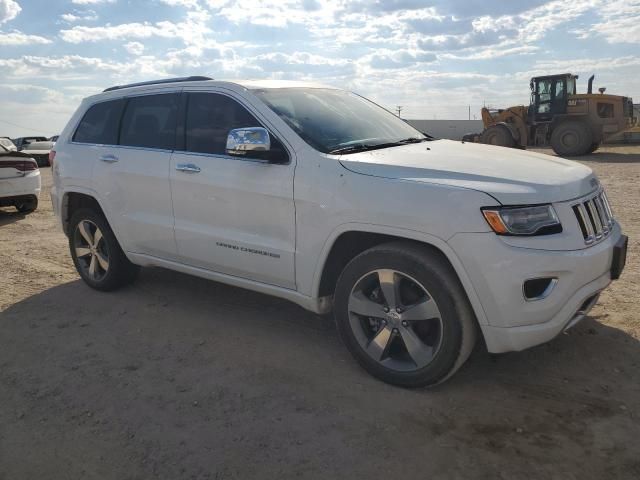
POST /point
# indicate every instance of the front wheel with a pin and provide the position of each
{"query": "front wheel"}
(498, 135)
(403, 315)
(97, 254)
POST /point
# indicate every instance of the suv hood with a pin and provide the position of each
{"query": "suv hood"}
(511, 176)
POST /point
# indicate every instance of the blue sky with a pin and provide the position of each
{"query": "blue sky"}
(432, 57)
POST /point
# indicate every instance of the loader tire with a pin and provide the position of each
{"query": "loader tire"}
(571, 139)
(498, 135)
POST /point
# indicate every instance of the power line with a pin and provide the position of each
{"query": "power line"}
(22, 126)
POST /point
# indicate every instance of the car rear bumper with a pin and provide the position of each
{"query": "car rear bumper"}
(498, 272)
(30, 184)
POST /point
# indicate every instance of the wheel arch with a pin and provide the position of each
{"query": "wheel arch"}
(350, 240)
(72, 200)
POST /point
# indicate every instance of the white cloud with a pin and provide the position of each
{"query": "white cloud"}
(276, 13)
(8, 10)
(89, 15)
(191, 31)
(134, 48)
(182, 3)
(619, 22)
(91, 2)
(18, 38)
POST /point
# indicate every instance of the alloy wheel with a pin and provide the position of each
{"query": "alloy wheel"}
(91, 250)
(395, 320)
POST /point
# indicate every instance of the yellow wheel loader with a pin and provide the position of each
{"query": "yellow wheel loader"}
(572, 123)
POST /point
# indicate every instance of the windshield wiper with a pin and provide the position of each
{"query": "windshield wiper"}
(363, 147)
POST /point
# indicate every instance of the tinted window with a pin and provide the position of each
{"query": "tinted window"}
(150, 121)
(100, 123)
(329, 119)
(209, 119)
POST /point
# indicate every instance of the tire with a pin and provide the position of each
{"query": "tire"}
(426, 286)
(102, 264)
(28, 205)
(593, 147)
(571, 139)
(498, 135)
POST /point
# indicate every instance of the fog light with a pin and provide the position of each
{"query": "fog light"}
(538, 288)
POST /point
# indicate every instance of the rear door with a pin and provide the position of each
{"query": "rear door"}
(132, 173)
(233, 215)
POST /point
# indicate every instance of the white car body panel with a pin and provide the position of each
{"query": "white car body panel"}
(135, 188)
(16, 183)
(270, 227)
(513, 177)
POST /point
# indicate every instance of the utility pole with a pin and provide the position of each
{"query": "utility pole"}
(469, 112)
(399, 109)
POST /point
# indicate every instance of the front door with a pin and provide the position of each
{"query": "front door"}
(233, 215)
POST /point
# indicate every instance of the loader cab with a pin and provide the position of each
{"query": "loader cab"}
(549, 96)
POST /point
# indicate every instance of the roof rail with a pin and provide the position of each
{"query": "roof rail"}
(196, 78)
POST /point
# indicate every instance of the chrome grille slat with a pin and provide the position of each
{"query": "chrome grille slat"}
(594, 217)
(604, 219)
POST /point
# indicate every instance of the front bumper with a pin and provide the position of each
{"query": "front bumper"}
(498, 270)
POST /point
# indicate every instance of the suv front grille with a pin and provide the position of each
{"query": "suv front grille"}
(594, 217)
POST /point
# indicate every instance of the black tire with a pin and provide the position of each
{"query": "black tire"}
(593, 147)
(120, 271)
(457, 323)
(27, 205)
(498, 135)
(571, 139)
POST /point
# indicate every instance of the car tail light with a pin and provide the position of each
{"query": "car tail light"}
(28, 165)
(52, 156)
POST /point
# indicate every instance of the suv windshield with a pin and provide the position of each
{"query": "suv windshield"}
(336, 121)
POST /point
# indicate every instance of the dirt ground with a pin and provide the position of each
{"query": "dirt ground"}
(177, 377)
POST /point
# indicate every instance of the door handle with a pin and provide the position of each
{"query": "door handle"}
(108, 158)
(188, 167)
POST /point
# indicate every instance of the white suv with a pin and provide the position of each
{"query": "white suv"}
(319, 196)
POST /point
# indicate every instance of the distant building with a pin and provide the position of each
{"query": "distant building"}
(451, 129)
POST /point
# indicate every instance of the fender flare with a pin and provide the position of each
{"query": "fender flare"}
(407, 234)
(64, 204)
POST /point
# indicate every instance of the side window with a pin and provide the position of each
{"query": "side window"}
(605, 110)
(210, 117)
(100, 123)
(150, 121)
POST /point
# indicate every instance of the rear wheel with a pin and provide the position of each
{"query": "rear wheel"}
(97, 254)
(27, 205)
(571, 139)
(403, 315)
(498, 135)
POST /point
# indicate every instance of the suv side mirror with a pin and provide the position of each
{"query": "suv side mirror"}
(248, 141)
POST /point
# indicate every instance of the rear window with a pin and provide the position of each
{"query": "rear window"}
(100, 123)
(150, 121)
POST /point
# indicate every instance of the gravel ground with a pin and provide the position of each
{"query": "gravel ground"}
(177, 377)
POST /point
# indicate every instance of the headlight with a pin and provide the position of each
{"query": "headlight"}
(533, 220)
